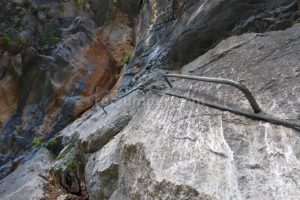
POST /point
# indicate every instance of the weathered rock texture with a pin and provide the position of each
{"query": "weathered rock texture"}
(176, 149)
(174, 32)
(56, 64)
(25, 183)
(147, 146)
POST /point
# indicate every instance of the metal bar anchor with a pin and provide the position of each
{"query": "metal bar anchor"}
(233, 83)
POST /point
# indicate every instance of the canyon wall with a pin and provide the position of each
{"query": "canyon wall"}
(59, 58)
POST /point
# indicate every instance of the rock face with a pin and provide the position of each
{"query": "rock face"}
(25, 183)
(174, 32)
(55, 66)
(146, 145)
(176, 149)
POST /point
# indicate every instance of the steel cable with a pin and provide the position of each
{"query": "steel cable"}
(257, 116)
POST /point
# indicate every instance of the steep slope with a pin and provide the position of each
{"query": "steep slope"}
(159, 147)
(177, 149)
(88, 51)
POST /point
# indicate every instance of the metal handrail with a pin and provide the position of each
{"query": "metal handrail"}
(258, 115)
(233, 83)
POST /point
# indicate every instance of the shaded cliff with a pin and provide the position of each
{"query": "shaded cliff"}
(55, 63)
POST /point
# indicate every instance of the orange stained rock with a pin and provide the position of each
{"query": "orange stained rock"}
(101, 68)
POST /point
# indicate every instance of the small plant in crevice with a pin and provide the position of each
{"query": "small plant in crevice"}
(77, 6)
(72, 165)
(37, 142)
(48, 38)
(62, 7)
(50, 143)
(127, 58)
(114, 2)
(5, 39)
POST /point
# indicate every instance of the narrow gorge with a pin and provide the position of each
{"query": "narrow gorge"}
(87, 111)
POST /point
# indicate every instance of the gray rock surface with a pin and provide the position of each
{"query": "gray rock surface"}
(102, 177)
(81, 47)
(176, 149)
(150, 146)
(95, 141)
(25, 183)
